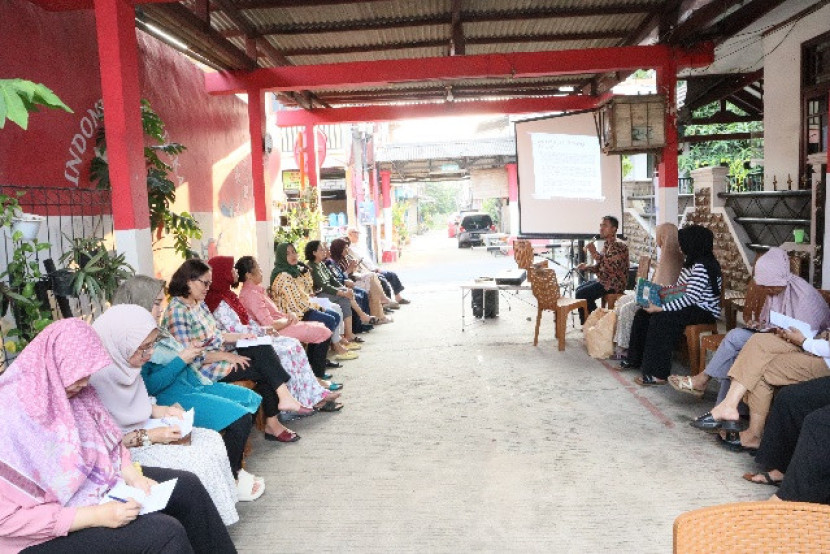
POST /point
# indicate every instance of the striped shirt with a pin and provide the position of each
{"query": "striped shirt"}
(698, 291)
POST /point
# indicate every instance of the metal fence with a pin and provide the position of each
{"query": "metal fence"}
(68, 213)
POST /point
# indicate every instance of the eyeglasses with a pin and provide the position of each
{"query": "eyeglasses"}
(205, 283)
(145, 351)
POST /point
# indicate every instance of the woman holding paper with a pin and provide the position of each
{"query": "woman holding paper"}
(231, 315)
(787, 294)
(61, 453)
(129, 334)
(656, 329)
(171, 379)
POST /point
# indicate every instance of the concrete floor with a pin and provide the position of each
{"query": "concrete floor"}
(480, 442)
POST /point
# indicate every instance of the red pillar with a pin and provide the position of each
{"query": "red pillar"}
(512, 182)
(311, 155)
(256, 127)
(667, 85)
(386, 188)
(118, 53)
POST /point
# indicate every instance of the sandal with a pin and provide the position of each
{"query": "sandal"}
(768, 480)
(649, 381)
(684, 384)
(285, 436)
(331, 406)
(245, 487)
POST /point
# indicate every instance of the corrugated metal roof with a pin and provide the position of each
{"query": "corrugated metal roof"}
(501, 146)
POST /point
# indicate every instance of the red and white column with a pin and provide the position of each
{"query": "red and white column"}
(665, 198)
(262, 204)
(118, 53)
(513, 197)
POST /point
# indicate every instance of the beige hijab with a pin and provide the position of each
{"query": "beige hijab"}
(671, 257)
(122, 329)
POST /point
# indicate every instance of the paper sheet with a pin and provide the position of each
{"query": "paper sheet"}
(253, 342)
(185, 425)
(157, 499)
(785, 322)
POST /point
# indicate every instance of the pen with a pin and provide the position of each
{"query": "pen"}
(122, 500)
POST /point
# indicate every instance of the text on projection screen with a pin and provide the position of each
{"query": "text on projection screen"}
(566, 166)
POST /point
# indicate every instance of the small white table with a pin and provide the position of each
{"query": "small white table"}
(484, 286)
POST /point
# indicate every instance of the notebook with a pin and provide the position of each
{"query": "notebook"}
(657, 294)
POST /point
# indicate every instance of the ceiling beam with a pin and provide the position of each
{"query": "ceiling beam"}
(378, 24)
(507, 66)
(741, 18)
(458, 46)
(722, 88)
(559, 37)
(700, 18)
(387, 112)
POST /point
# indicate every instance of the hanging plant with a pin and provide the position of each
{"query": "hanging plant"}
(161, 191)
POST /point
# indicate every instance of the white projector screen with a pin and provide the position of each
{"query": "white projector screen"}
(566, 183)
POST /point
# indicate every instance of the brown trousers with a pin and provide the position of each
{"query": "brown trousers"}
(767, 362)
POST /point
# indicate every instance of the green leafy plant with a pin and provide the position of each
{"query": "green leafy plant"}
(19, 98)
(98, 272)
(161, 191)
(302, 221)
(399, 221)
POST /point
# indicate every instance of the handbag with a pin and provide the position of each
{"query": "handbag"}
(599, 331)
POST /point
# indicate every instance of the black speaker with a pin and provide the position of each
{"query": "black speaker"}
(491, 305)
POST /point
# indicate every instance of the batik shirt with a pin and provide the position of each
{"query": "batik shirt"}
(292, 294)
(612, 266)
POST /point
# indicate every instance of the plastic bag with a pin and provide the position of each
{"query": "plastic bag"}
(599, 333)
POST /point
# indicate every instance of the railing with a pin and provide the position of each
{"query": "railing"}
(685, 185)
(69, 213)
(750, 183)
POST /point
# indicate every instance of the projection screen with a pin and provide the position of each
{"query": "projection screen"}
(566, 183)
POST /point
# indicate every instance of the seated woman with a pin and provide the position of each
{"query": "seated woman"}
(291, 290)
(328, 287)
(190, 322)
(368, 280)
(262, 310)
(670, 260)
(767, 361)
(656, 330)
(61, 453)
(360, 302)
(390, 281)
(170, 378)
(232, 317)
(129, 334)
(794, 443)
(787, 293)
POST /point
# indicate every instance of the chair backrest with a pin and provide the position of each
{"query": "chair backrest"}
(545, 287)
(754, 301)
(523, 253)
(754, 527)
(644, 266)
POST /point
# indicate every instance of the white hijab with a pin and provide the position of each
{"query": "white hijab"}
(122, 329)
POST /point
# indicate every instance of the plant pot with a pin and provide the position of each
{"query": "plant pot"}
(28, 225)
(62, 280)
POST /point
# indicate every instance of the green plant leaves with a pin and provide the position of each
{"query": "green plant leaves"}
(19, 98)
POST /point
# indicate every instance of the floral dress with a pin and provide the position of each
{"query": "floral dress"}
(303, 384)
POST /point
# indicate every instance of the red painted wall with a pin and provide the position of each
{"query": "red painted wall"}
(60, 50)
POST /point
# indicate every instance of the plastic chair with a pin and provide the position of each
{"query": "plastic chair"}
(751, 527)
(610, 300)
(546, 290)
(692, 334)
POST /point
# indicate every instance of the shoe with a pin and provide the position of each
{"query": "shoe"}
(392, 306)
(285, 436)
(358, 340)
(732, 442)
(649, 381)
(403, 301)
(353, 346)
(331, 406)
(326, 376)
(767, 479)
(245, 487)
(345, 356)
(625, 364)
(335, 386)
(302, 412)
(333, 365)
(684, 384)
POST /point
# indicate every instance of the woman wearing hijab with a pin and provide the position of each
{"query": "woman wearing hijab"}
(292, 287)
(129, 334)
(232, 317)
(61, 453)
(189, 321)
(361, 296)
(787, 293)
(656, 330)
(170, 378)
(670, 260)
(262, 310)
(367, 281)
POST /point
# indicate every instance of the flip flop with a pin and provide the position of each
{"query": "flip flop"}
(768, 480)
(684, 384)
(331, 406)
(732, 442)
(286, 436)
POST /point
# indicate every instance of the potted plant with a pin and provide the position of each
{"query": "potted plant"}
(96, 271)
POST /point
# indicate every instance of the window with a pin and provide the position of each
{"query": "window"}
(815, 92)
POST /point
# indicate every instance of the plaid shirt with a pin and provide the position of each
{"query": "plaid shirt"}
(195, 324)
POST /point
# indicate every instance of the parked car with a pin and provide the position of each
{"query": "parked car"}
(472, 226)
(452, 225)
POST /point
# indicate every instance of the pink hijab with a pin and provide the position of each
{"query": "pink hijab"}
(798, 299)
(671, 257)
(54, 448)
